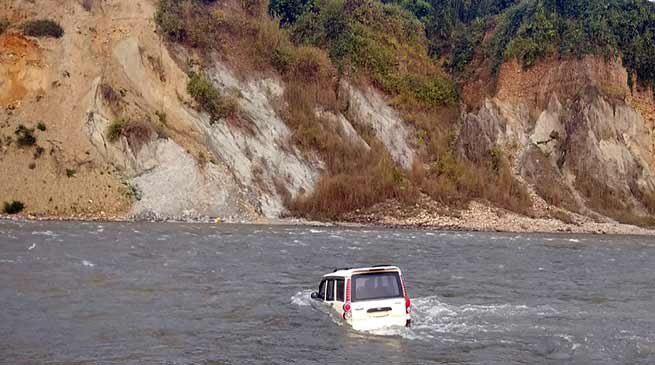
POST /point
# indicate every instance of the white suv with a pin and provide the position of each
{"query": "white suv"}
(367, 298)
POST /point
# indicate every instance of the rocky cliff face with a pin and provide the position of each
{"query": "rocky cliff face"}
(575, 132)
(578, 135)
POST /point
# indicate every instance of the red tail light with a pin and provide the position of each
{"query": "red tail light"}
(346, 307)
(348, 290)
(408, 303)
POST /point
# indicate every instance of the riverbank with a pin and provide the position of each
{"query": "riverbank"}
(477, 217)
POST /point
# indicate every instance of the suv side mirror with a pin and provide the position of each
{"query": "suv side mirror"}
(315, 296)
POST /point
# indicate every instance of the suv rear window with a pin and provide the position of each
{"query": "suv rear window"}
(376, 286)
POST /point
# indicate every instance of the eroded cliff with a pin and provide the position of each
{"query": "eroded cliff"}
(576, 137)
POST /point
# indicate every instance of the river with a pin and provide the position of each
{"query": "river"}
(147, 293)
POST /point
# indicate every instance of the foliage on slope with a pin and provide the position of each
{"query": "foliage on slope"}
(532, 29)
(314, 45)
(366, 37)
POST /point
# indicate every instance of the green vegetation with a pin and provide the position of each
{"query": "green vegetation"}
(41, 126)
(42, 28)
(382, 41)
(70, 172)
(288, 11)
(530, 30)
(115, 129)
(13, 207)
(209, 99)
(25, 136)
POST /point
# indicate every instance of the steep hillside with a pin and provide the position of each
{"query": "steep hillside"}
(336, 110)
(578, 135)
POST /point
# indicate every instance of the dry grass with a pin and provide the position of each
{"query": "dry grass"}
(562, 216)
(376, 180)
(613, 203)
(547, 181)
(354, 178)
(137, 133)
(452, 180)
(110, 96)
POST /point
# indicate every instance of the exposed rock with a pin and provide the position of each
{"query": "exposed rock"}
(259, 153)
(595, 150)
(345, 127)
(369, 108)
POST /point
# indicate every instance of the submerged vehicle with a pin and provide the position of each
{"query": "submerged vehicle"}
(367, 298)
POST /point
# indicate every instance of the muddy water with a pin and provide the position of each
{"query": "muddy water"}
(201, 294)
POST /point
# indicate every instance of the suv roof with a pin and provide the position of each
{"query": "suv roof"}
(347, 272)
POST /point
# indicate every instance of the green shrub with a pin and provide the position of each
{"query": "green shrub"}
(115, 129)
(13, 207)
(24, 136)
(42, 28)
(535, 39)
(288, 11)
(209, 99)
(311, 64)
(41, 126)
(431, 91)
(70, 172)
(170, 19)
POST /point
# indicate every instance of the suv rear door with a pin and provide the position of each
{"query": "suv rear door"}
(377, 295)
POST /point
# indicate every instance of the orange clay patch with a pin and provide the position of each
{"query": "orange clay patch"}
(21, 69)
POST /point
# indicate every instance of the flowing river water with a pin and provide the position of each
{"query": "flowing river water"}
(147, 293)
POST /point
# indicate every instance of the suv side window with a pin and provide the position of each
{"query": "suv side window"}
(330, 290)
(340, 289)
(321, 289)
